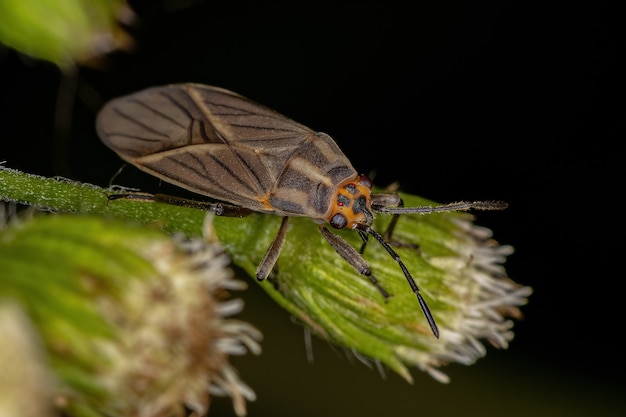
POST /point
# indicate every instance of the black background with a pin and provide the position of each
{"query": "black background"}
(454, 100)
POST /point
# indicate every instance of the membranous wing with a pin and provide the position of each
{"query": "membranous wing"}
(204, 139)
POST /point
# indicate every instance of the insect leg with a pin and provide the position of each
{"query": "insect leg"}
(220, 209)
(271, 256)
(131, 196)
(364, 238)
(443, 208)
(351, 255)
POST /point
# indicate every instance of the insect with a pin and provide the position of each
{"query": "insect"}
(221, 145)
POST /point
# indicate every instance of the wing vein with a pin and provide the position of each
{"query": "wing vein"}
(232, 173)
(158, 113)
(138, 123)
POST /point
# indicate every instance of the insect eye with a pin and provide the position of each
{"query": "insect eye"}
(338, 221)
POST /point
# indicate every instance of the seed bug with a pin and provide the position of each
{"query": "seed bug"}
(221, 145)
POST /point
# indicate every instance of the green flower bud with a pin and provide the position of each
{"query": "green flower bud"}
(132, 321)
(456, 264)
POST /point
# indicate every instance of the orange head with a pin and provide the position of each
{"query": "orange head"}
(352, 205)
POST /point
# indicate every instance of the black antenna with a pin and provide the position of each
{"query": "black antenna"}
(407, 274)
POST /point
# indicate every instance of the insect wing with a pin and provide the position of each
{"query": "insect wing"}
(204, 139)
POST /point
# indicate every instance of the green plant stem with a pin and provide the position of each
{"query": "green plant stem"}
(74, 197)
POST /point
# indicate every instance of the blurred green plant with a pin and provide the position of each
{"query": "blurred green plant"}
(110, 317)
(65, 32)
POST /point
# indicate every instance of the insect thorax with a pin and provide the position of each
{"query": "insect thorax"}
(309, 182)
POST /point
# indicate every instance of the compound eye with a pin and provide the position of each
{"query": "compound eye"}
(338, 221)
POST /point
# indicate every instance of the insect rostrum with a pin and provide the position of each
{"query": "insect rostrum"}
(221, 145)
